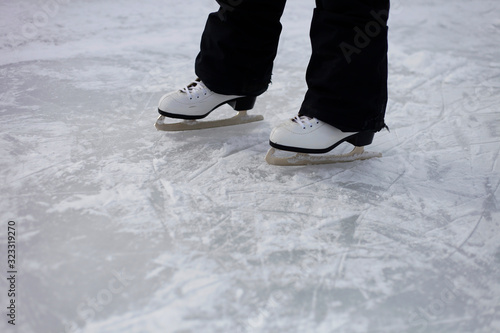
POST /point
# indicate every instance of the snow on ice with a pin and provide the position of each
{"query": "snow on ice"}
(125, 229)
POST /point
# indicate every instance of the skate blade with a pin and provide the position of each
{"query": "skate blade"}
(189, 125)
(358, 153)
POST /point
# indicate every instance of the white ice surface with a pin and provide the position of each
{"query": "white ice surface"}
(125, 229)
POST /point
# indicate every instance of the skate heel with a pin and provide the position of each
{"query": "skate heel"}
(361, 139)
(243, 103)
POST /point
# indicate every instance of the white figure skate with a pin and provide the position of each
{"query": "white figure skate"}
(196, 101)
(304, 135)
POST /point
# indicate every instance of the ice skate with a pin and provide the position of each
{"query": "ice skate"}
(196, 101)
(303, 136)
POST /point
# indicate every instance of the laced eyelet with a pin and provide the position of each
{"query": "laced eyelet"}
(195, 89)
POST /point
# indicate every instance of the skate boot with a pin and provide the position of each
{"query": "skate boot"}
(304, 135)
(196, 101)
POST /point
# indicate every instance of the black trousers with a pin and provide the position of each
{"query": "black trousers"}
(347, 72)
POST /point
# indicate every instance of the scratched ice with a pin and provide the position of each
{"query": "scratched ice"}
(125, 229)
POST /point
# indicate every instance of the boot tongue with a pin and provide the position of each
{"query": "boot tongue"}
(195, 83)
(191, 86)
(301, 117)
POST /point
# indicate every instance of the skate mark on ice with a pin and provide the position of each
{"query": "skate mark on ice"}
(485, 214)
(59, 164)
(236, 151)
(201, 171)
(320, 180)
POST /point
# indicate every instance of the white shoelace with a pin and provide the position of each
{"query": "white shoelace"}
(305, 121)
(195, 89)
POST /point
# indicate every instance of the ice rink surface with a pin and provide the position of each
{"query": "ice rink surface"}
(120, 228)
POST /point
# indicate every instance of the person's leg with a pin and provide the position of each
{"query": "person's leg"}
(234, 65)
(239, 45)
(347, 73)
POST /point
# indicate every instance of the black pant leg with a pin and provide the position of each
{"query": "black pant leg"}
(347, 73)
(239, 45)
